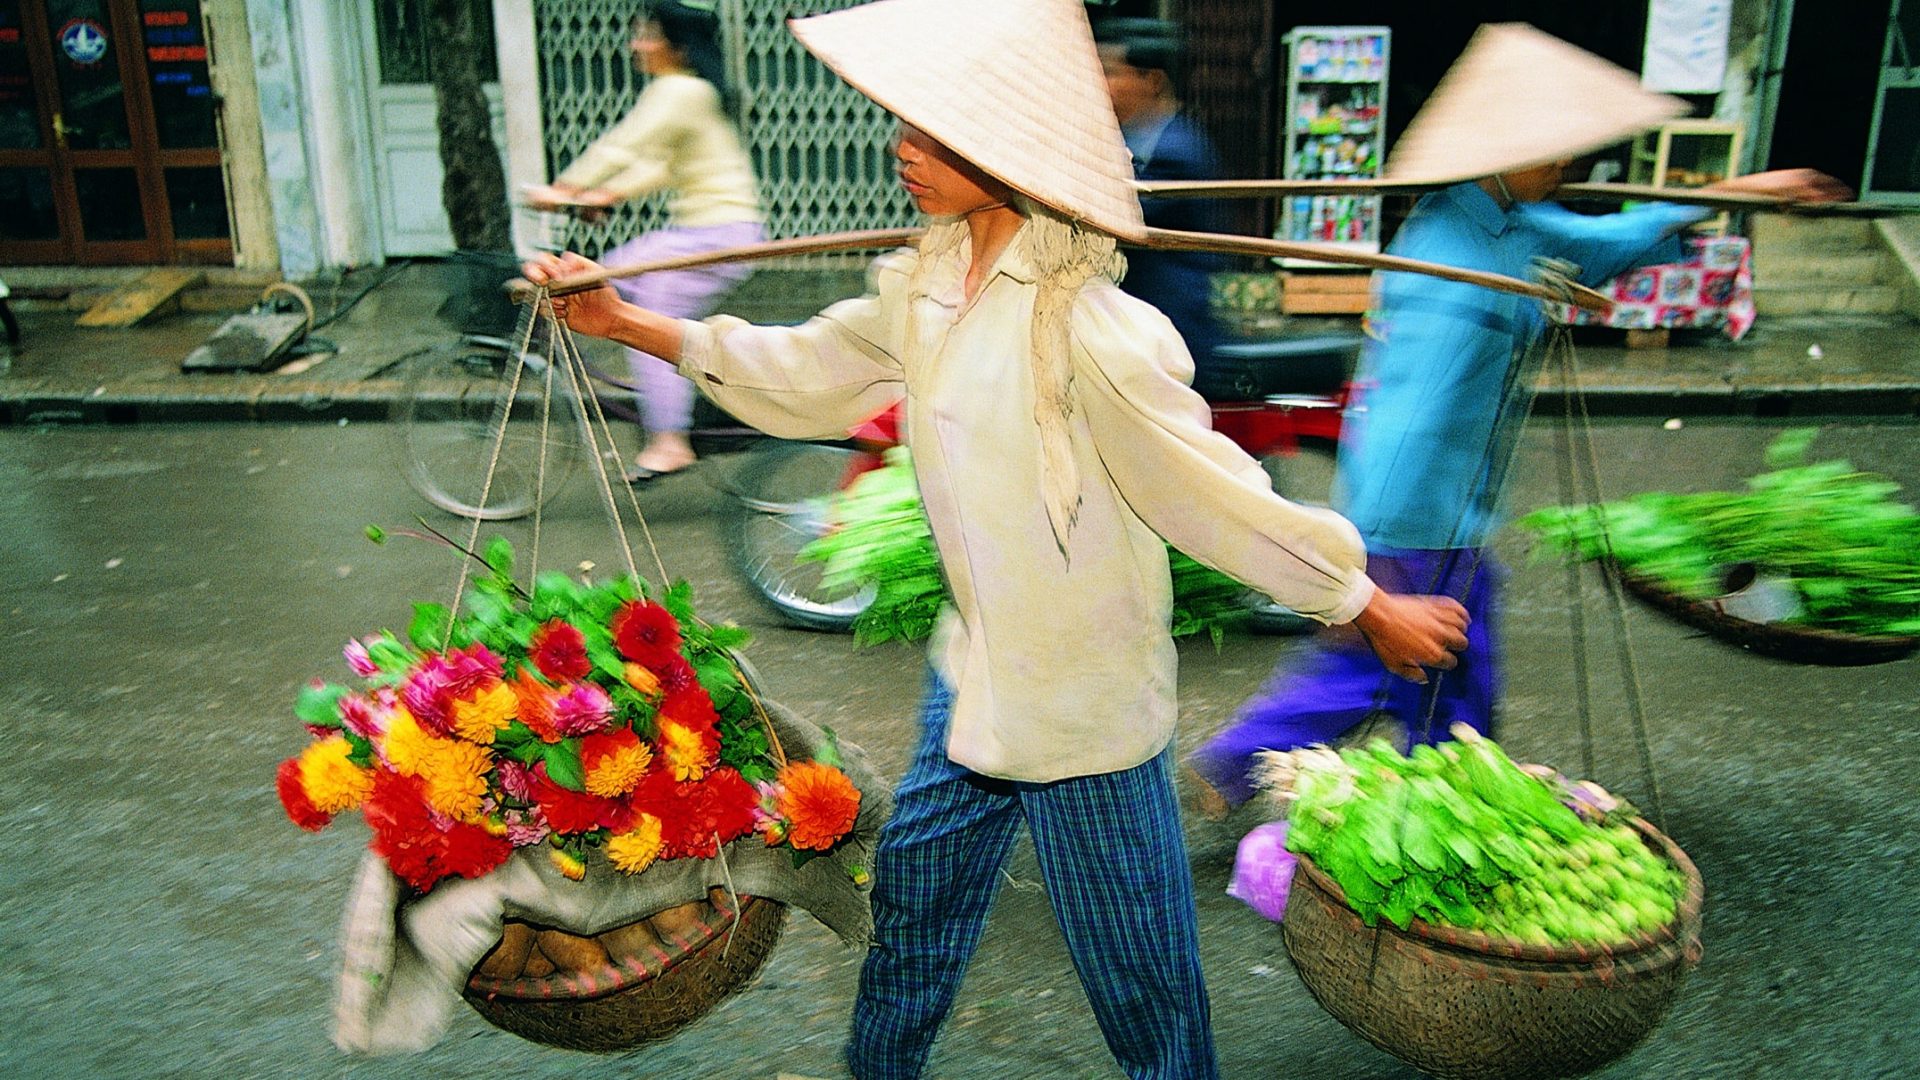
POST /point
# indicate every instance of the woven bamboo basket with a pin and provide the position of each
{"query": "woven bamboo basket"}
(1783, 641)
(638, 999)
(1464, 1006)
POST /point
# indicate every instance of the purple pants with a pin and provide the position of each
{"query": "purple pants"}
(1341, 682)
(664, 396)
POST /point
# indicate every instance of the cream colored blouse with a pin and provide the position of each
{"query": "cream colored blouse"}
(1062, 665)
(675, 139)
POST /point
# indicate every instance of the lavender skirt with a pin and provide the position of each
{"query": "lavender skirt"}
(665, 398)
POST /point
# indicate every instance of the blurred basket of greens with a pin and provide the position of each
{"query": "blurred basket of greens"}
(1843, 540)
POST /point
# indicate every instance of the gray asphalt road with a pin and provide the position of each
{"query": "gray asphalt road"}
(167, 590)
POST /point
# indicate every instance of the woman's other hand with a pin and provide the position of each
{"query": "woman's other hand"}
(1412, 633)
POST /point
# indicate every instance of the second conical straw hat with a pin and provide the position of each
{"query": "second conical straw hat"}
(1518, 98)
(1013, 86)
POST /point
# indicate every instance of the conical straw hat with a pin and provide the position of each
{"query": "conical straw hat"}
(1013, 86)
(1519, 98)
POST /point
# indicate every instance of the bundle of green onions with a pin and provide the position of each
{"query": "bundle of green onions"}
(1850, 549)
(878, 536)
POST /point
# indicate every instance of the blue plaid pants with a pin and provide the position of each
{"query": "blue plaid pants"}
(1115, 865)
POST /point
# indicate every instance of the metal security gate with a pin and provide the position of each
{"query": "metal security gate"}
(819, 148)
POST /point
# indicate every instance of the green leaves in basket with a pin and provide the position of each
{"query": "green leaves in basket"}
(1840, 536)
(1460, 836)
(318, 704)
(430, 626)
(563, 764)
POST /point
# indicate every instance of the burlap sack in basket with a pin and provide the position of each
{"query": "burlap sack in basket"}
(405, 959)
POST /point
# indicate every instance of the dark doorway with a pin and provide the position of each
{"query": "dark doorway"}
(1826, 94)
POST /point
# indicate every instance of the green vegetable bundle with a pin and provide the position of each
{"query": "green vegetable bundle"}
(878, 536)
(1458, 835)
(1851, 550)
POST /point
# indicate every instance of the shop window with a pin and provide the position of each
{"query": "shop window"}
(176, 44)
(26, 205)
(198, 198)
(109, 204)
(406, 40)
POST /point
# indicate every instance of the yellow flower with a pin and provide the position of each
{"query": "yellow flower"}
(332, 782)
(634, 850)
(641, 679)
(479, 717)
(687, 751)
(456, 778)
(406, 744)
(567, 864)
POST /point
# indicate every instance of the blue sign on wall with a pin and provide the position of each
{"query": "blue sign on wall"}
(84, 41)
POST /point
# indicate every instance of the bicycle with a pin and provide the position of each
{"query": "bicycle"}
(456, 396)
(1282, 403)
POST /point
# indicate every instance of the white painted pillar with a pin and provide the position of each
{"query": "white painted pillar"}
(333, 78)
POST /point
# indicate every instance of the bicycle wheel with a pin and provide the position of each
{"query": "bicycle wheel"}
(1303, 475)
(445, 422)
(778, 506)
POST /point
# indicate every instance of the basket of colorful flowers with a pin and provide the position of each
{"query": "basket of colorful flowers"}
(579, 801)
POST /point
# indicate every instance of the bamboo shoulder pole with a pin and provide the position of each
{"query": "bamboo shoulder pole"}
(1163, 239)
(521, 290)
(1713, 200)
(1174, 240)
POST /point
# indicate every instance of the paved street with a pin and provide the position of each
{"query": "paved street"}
(168, 589)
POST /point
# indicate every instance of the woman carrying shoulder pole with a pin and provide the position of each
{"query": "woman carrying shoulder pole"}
(1056, 442)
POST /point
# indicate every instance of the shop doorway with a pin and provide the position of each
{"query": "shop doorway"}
(1893, 148)
(1827, 92)
(109, 135)
(399, 38)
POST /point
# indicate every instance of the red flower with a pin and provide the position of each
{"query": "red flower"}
(677, 675)
(420, 846)
(697, 816)
(569, 812)
(293, 796)
(646, 633)
(471, 851)
(559, 651)
(692, 707)
(404, 833)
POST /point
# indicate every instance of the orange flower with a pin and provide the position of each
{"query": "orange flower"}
(818, 802)
(615, 762)
(641, 679)
(536, 706)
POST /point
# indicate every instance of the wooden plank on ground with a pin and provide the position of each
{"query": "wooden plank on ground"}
(139, 300)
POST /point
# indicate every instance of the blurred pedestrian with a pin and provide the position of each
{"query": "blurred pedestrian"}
(1055, 443)
(679, 137)
(1445, 378)
(1145, 64)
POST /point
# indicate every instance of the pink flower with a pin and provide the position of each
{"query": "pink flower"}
(515, 779)
(360, 716)
(439, 680)
(523, 834)
(582, 710)
(359, 661)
